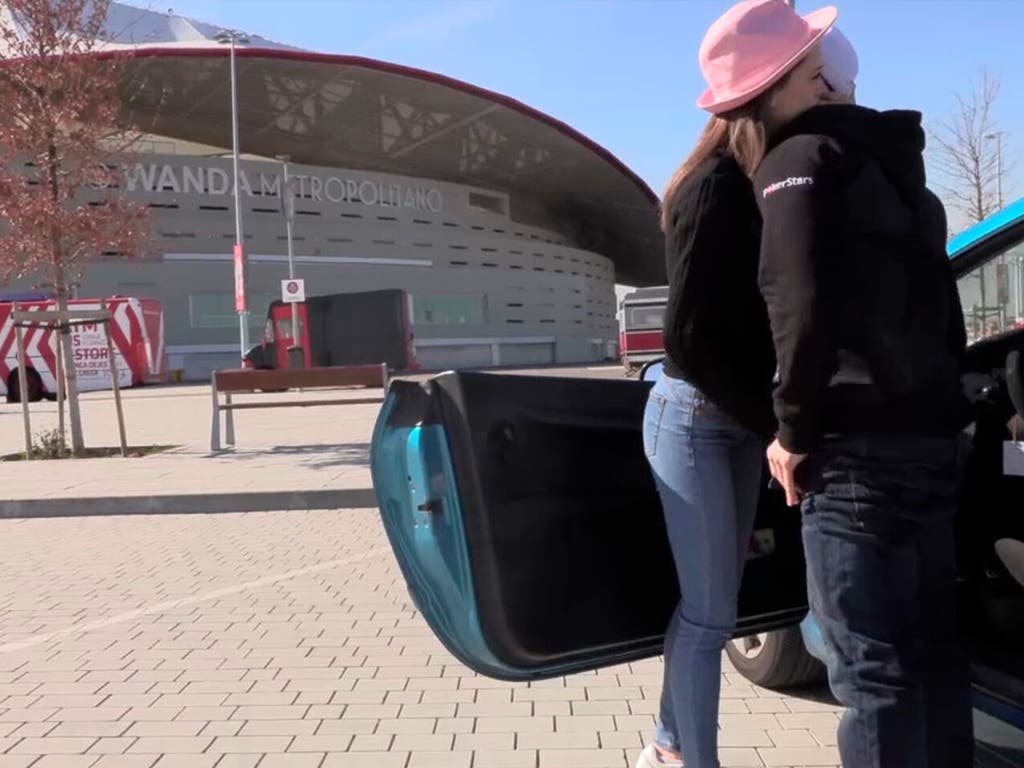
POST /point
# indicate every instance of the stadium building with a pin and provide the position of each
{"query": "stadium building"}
(507, 228)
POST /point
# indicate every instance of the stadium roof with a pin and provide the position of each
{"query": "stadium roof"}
(364, 114)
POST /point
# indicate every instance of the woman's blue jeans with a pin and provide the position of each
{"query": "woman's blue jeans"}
(708, 470)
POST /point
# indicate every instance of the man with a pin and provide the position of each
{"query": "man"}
(871, 413)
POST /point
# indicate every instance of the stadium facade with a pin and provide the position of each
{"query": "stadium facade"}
(507, 228)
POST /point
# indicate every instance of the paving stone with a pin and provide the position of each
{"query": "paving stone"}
(292, 760)
(799, 756)
(581, 758)
(440, 759)
(67, 761)
(159, 745)
(521, 758)
(17, 761)
(125, 761)
(52, 746)
(577, 740)
(249, 745)
(367, 760)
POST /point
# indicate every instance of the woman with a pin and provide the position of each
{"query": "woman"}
(709, 418)
(868, 333)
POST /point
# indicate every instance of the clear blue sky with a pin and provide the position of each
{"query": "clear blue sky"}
(624, 72)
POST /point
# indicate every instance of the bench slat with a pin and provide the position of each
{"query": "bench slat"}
(301, 403)
(250, 380)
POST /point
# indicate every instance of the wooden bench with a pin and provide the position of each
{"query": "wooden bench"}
(250, 381)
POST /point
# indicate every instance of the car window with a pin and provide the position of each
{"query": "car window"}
(992, 294)
(645, 316)
(284, 327)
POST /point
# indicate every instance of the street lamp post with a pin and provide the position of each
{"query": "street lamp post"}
(1018, 266)
(997, 136)
(232, 37)
(295, 354)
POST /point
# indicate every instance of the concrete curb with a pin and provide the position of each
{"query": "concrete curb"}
(186, 504)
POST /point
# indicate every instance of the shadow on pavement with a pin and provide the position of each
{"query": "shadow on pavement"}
(818, 693)
(998, 745)
(317, 456)
(322, 456)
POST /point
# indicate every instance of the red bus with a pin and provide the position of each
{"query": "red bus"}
(643, 320)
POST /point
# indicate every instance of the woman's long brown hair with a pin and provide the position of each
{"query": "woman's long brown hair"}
(740, 133)
(713, 140)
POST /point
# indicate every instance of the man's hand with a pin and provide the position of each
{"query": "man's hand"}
(783, 464)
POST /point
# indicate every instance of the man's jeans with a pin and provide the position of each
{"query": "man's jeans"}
(878, 516)
(708, 470)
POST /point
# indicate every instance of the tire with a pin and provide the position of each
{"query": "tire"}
(776, 659)
(35, 386)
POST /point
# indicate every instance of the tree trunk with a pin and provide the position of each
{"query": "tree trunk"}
(64, 339)
(60, 285)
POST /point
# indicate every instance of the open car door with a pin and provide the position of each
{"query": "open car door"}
(988, 261)
(525, 519)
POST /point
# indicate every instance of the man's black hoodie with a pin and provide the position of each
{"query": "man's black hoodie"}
(864, 311)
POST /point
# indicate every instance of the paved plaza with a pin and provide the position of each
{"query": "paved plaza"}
(278, 449)
(288, 639)
(281, 638)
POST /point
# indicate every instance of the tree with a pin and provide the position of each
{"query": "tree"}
(968, 153)
(62, 196)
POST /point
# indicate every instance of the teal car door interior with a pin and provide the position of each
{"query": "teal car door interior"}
(525, 520)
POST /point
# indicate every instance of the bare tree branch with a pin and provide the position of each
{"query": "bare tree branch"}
(966, 148)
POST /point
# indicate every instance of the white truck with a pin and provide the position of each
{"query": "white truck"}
(137, 333)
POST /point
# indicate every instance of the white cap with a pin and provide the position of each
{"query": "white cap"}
(840, 65)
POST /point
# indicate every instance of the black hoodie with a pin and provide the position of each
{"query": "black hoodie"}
(716, 325)
(864, 311)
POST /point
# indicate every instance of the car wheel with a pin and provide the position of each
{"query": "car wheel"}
(775, 659)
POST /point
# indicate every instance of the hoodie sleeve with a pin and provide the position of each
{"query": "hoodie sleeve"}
(956, 335)
(798, 196)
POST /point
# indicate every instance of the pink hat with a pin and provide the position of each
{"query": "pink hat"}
(752, 46)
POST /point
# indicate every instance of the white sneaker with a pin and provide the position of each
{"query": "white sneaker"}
(651, 758)
(1011, 552)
